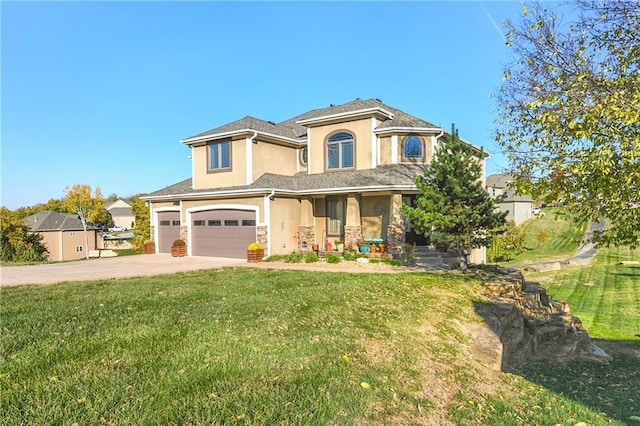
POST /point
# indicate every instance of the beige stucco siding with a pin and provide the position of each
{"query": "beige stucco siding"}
(375, 216)
(283, 229)
(62, 244)
(228, 203)
(385, 150)
(204, 179)
(362, 131)
(272, 158)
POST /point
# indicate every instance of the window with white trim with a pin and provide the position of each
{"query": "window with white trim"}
(340, 151)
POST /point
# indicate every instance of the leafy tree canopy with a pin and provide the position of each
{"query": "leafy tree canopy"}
(454, 206)
(17, 242)
(570, 112)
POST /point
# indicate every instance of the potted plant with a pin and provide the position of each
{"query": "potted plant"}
(179, 248)
(255, 252)
(373, 248)
(339, 245)
(363, 246)
(328, 246)
(382, 248)
(149, 247)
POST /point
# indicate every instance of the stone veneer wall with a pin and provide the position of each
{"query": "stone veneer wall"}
(262, 235)
(395, 240)
(184, 233)
(306, 237)
(352, 234)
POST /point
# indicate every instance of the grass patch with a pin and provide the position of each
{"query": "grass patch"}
(249, 346)
(223, 347)
(604, 295)
(552, 237)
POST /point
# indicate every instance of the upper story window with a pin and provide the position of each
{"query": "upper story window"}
(413, 148)
(340, 151)
(304, 156)
(219, 155)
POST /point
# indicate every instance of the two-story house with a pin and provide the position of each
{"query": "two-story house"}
(340, 172)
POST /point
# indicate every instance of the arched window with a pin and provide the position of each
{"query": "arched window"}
(340, 151)
(412, 148)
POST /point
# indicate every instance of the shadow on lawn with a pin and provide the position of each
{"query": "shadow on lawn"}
(612, 388)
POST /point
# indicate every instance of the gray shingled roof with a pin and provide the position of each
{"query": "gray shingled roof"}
(53, 221)
(291, 129)
(251, 123)
(387, 175)
(502, 181)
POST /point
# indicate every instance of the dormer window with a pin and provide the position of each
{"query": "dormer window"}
(340, 151)
(219, 156)
(413, 148)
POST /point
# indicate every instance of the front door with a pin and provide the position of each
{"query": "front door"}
(411, 236)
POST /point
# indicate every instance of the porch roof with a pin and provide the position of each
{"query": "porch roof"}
(398, 176)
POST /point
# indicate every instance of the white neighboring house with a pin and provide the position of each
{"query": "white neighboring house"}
(123, 217)
(519, 207)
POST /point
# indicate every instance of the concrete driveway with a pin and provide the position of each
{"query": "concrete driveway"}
(106, 268)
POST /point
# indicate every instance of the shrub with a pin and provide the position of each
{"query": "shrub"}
(311, 257)
(276, 258)
(333, 258)
(254, 246)
(542, 237)
(179, 243)
(293, 257)
(350, 255)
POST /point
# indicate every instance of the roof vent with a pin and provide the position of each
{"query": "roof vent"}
(378, 100)
(332, 105)
(271, 122)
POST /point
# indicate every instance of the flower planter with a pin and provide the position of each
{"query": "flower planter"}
(255, 256)
(364, 248)
(149, 248)
(178, 251)
(340, 247)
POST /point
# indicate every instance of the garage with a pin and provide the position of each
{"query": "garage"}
(168, 230)
(222, 233)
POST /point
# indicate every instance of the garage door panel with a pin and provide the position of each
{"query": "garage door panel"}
(168, 230)
(222, 233)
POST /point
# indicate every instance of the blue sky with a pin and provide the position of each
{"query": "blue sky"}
(102, 93)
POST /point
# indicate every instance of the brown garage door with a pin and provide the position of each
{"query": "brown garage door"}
(222, 233)
(168, 230)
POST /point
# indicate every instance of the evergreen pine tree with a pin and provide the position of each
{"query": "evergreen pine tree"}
(454, 207)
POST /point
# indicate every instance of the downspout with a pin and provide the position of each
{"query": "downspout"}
(433, 145)
(267, 218)
(249, 157)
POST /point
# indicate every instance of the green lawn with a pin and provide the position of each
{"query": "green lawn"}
(242, 346)
(551, 237)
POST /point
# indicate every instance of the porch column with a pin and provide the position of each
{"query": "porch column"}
(353, 222)
(396, 229)
(306, 229)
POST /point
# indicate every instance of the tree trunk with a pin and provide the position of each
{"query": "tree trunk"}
(86, 237)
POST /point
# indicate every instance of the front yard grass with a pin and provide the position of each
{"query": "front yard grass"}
(244, 346)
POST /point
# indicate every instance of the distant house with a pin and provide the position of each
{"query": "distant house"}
(519, 207)
(121, 214)
(63, 234)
